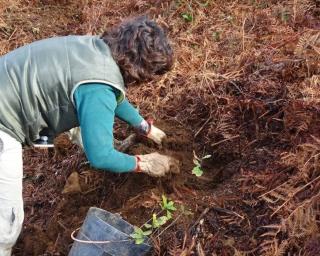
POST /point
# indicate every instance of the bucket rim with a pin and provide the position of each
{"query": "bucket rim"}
(104, 222)
(147, 247)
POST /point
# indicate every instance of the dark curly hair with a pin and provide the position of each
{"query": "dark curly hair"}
(140, 48)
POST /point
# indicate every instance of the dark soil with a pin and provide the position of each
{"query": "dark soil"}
(51, 216)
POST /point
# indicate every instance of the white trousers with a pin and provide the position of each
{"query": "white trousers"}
(11, 201)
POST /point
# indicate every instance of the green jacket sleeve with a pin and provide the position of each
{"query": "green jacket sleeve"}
(96, 105)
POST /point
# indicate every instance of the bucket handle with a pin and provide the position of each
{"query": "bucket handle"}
(94, 242)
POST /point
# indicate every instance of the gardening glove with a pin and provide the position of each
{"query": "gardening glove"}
(146, 128)
(157, 165)
(75, 136)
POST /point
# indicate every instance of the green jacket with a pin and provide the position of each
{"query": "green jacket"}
(38, 81)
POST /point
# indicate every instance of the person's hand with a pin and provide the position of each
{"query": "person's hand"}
(156, 134)
(75, 136)
(146, 128)
(157, 165)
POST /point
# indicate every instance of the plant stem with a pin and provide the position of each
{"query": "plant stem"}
(171, 224)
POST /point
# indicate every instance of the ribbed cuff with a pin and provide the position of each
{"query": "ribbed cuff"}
(137, 169)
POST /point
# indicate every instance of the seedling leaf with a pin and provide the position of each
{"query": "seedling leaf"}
(170, 206)
(138, 230)
(147, 225)
(135, 236)
(147, 232)
(139, 240)
(197, 171)
(169, 215)
(164, 202)
(187, 17)
(155, 223)
(162, 220)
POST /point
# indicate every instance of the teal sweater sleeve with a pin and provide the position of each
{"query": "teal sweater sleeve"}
(126, 112)
(96, 105)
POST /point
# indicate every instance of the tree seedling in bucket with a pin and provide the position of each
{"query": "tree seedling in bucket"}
(140, 234)
(197, 169)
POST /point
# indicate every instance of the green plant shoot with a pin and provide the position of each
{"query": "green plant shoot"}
(197, 169)
(168, 206)
(187, 17)
(139, 235)
(158, 222)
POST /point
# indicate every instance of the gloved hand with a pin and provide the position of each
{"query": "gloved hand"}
(75, 136)
(156, 134)
(157, 165)
(147, 129)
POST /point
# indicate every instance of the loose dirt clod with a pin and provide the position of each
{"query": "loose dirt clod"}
(72, 185)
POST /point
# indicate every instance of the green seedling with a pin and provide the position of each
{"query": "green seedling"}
(187, 17)
(168, 206)
(139, 235)
(147, 225)
(197, 169)
(158, 222)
